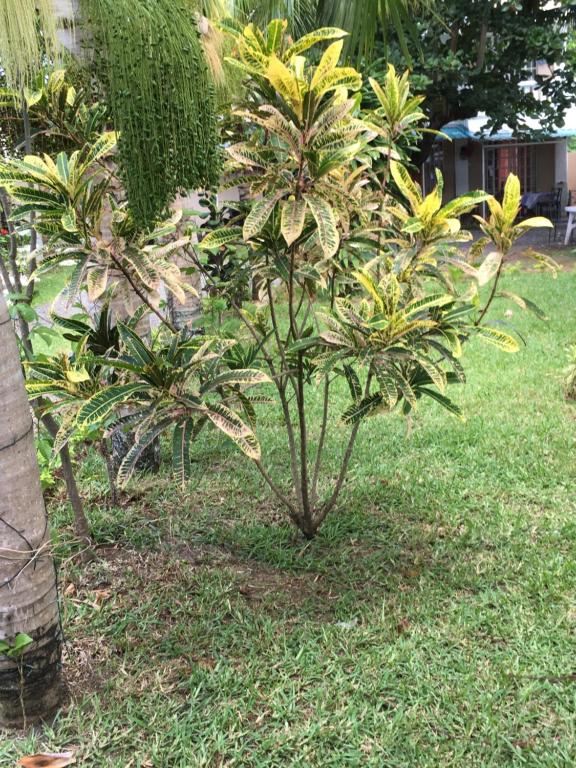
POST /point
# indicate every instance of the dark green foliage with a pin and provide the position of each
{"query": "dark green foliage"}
(480, 63)
(149, 59)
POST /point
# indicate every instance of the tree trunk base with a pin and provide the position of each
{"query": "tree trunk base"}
(32, 688)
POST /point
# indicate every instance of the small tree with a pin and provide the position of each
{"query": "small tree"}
(355, 269)
(352, 266)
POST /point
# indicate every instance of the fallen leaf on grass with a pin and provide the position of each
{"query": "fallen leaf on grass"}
(402, 626)
(100, 596)
(48, 760)
(524, 743)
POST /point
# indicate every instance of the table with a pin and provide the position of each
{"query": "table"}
(571, 211)
(531, 200)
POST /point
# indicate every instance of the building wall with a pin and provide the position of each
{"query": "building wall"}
(561, 168)
(551, 165)
(541, 167)
(461, 167)
(448, 170)
(475, 171)
(545, 167)
(572, 175)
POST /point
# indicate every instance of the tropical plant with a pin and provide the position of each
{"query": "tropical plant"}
(56, 114)
(393, 326)
(398, 118)
(62, 113)
(76, 212)
(66, 194)
(364, 20)
(179, 386)
(48, 463)
(354, 269)
(21, 47)
(30, 685)
(73, 200)
(150, 62)
(73, 378)
(502, 229)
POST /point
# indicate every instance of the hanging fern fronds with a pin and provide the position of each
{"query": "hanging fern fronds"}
(149, 58)
(27, 33)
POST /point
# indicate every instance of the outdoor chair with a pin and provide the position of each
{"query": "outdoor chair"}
(550, 206)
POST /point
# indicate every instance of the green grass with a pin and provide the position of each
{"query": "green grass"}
(47, 287)
(431, 623)
(49, 284)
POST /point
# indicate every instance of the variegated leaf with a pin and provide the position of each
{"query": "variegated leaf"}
(362, 408)
(220, 237)
(292, 222)
(96, 281)
(326, 222)
(101, 404)
(258, 216)
(498, 338)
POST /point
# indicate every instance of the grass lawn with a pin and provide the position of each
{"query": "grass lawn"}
(47, 287)
(431, 623)
(49, 284)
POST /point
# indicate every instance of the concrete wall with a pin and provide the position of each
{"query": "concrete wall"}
(449, 170)
(561, 168)
(461, 167)
(545, 167)
(475, 172)
(572, 175)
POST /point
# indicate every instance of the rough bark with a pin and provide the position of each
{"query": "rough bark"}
(110, 471)
(31, 688)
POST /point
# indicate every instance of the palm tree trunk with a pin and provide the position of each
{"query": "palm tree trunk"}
(31, 686)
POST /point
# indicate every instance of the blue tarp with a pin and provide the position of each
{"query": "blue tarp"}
(459, 129)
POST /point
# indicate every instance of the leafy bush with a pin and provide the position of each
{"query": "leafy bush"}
(80, 219)
(361, 278)
(355, 264)
(180, 385)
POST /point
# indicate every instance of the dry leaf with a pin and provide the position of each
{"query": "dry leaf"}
(48, 760)
(100, 596)
(403, 626)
